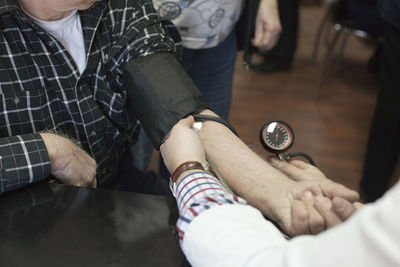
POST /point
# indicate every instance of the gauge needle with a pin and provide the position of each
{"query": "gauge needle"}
(276, 135)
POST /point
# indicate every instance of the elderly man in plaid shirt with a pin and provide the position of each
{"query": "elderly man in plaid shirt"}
(77, 80)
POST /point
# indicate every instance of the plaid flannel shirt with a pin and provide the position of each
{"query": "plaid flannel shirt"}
(41, 88)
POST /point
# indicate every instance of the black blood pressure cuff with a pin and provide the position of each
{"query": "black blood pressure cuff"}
(160, 93)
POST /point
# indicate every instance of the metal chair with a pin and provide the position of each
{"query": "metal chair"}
(338, 20)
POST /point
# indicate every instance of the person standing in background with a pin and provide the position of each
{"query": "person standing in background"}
(209, 39)
(212, 31)
(281, 56)
(384, 139)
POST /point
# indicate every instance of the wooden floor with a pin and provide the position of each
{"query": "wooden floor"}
(334, 128)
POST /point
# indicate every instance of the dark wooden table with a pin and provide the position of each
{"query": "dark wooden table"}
(57, 225)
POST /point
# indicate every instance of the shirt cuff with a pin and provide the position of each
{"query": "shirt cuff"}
(197, 192)
(23, 159)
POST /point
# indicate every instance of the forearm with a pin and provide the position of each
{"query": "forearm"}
(271, 3)
(70, 164)
(23, 160)
(240, 166)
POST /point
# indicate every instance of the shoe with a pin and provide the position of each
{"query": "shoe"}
(272, 66)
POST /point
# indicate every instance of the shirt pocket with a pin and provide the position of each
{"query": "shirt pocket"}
(23, 112)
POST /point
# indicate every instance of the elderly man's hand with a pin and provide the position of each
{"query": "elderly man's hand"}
(293, 205)
(69, 163)
(334, 202)
(298, 170)
(337, 210)
(268, 25)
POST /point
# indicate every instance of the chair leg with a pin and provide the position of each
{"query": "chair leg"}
(339, 58)
(325, 19)
(326, 62)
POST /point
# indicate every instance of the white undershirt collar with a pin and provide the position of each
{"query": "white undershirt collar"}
(69, 32)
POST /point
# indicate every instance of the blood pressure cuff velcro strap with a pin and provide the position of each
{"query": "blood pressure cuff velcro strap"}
(160, 93)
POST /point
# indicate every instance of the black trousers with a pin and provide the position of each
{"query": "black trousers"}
(364, 16)
(384, 139)
(285, 49)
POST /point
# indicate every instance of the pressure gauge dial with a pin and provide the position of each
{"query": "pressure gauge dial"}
(276, 136)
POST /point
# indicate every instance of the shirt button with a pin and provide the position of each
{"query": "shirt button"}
(51, 43)
(106, 57)
(80, 88)
(16, 100)
(93, 133)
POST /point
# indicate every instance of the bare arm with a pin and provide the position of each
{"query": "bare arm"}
(29, 158)
(69, 163)
(265, 187)
(334, 209)
(268, 25)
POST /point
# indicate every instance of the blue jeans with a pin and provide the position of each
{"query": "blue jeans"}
(211, 69)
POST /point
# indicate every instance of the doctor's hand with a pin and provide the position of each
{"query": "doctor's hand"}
(182, 144)
(293, 204)
(268, 25)
(332, 205)
(337, 210)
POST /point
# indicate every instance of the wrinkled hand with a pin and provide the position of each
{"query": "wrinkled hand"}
(292, 205)
(181, 145)
(268, 25)
(69, 163)
(333, 202)
(298, 170)
(336, 211)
